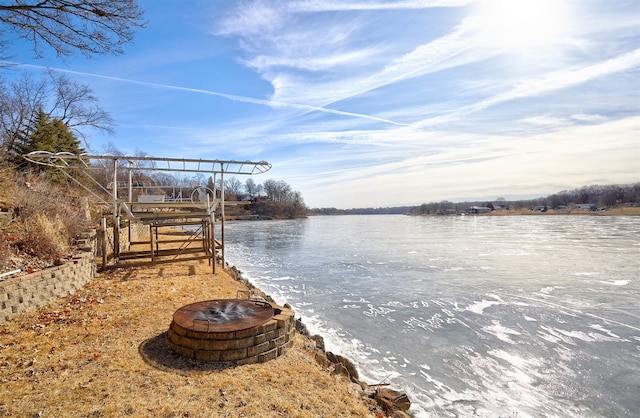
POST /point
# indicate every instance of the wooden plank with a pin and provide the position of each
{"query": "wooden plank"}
(152, 263)
(160, 253)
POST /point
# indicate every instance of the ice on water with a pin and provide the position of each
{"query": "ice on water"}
(486, 316)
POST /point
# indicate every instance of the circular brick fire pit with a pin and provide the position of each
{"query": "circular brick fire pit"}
(240, 331)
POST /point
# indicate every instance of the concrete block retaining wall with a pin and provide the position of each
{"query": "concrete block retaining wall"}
(127, 235)
(26, 293)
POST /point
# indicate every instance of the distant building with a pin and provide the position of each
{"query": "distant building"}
(588, 206)
(474, 210)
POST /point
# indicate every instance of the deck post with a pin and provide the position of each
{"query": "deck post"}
(151, 242)
(212, 234)
(104, 243)
(222, 214)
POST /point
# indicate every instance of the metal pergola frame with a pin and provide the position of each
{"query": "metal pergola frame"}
(70, 164)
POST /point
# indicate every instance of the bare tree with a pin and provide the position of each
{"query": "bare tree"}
(68, 26)
(232, 187)
(60, 98)
(252, 188)
(277, 191)
(111, 149)
(19, 101)
(77, 107)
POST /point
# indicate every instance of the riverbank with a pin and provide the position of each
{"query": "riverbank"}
(616, 211)
(101, 352)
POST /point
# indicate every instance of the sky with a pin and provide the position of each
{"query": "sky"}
(367, 103)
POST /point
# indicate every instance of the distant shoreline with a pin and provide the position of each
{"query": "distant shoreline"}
(618, 211)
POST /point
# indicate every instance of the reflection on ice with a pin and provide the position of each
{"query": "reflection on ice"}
(501, 332)
(616, 282)
(478, 307)
(493, 316)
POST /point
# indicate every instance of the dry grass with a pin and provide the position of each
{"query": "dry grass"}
(37, 219)
(43, 236)
(100, 353)
(7, 188)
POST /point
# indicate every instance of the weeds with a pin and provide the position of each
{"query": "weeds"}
(43, 216)
(43, 237)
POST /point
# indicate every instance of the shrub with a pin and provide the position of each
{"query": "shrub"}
(43, 237)
(44, 197)
(47, 216)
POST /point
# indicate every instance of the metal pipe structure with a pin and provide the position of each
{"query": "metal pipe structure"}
(222, 212)
(9, 273)
(188, 165)
(130, 182)
(116, 216)
(65, 162)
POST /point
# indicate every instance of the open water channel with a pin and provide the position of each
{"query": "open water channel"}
(522, 316)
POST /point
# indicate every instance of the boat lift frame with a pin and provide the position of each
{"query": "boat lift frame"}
(192, 212)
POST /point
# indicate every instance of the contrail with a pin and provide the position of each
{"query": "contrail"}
(233, 97)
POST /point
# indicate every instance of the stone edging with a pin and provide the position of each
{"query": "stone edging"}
(28, 292)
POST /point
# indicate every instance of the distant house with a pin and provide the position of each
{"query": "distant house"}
(588, 206)
(474, 210)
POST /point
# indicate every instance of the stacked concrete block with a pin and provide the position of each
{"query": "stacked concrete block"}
(88, 241)
(129, 234)
(25, 293)
(138, 231)
(254, 345)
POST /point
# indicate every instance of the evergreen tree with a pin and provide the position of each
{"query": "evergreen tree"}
(51, 135)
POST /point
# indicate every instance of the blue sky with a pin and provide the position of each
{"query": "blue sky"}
(382, 103)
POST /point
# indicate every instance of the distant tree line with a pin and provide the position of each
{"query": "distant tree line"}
(397, 210)
(271, 199)
(598, 196)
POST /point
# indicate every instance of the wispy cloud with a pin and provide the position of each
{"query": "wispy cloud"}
(372, 102)
(296, 51)
(243, 99)
(297, 46)
(540, 86)
(325, 6)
